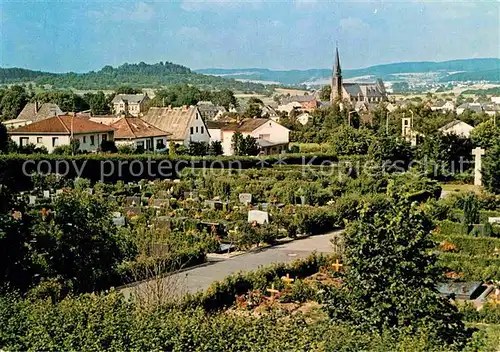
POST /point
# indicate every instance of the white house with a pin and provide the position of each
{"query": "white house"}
(184, 124)
(15, 123)
(495, 100)
(215, 129)
(133, 104)
(58, 130)
(444, 106)
(272, 138)
(135, 131)
(474, 107)
(457, 127)
(288, 107)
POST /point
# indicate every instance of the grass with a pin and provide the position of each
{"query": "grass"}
(458, 188)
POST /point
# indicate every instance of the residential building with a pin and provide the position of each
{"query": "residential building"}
(272, 137)
(355, 92)
(444, 106)
(36, 112)
(305, 102)
(474, 107)
(209, 111)
(184, 124)
(289, 107)
(130, 104)
(457, 127)
(215, 129)
(269, 112)
(58, 130)
(495, 100)
(15, 123)
(141, 134)
(105, 119)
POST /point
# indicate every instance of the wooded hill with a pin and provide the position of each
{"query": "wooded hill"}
(138, 75)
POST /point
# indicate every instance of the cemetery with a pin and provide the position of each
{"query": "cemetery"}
(89, 238)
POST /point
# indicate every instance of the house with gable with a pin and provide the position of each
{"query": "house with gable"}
(139, 133)
(133, 104)
(272, 138)
(59, 130)
(184, 124)
(457, 127)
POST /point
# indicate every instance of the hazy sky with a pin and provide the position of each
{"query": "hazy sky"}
(82, 35)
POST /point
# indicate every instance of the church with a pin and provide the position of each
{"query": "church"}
(355, 92)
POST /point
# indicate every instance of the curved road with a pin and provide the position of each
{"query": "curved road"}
(201, 277)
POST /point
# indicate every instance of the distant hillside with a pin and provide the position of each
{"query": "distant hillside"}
(468, 69)
(139, 75)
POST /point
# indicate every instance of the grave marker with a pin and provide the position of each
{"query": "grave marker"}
(46, 194)
(132, 211)
(494, 220)
(245, 198)
(59, 192)
(336, 267)
(272, 291)
(90, 191)
(478, 154)
(260, 217)
(32, 200)
(287, 280)
(131, 201)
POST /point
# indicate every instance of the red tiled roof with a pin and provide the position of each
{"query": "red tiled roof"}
(62, 125)
(134, 127)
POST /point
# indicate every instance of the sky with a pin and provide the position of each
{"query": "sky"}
(79, 35)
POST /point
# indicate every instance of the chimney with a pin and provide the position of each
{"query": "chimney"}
(36, 106)
(185, 107)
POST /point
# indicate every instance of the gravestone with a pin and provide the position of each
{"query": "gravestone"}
(261, 217)
(337, 243)
(59, 192)
(302, 200)
(245, 198)
(494, 220)
(46, 194)
(163, 194)
(190, 195)
(177, 180)
(32, 200)
(478, 154)
(90, 191)
(131, 211)
(160, 203)
(133, 200)
(118, 219)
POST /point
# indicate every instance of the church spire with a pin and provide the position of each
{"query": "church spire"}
(336, 69)
(336, 85)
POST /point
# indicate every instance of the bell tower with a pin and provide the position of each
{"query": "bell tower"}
(336, 85)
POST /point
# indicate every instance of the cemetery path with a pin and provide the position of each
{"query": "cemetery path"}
(201, 277)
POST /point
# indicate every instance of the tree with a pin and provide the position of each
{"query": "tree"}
(252, 111)
(244, 145)
(491, 169)
(172, 153)
(325, 93)
(215, 148)
(83, 245)
(347, 140)
(127, 90)
(4, 139)
(485, 134)
(198, 148)
(236, 141)
(13, 101)
(225, 98)
(471, 212)
(392, 275)
(108, 147)
(98, 102)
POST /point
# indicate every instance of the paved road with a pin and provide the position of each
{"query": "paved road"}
(201, 277)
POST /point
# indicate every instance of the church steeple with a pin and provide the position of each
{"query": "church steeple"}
(336, 86)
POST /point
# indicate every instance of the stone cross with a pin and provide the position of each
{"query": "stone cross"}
(478, 153)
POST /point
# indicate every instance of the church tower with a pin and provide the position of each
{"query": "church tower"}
(336, 93)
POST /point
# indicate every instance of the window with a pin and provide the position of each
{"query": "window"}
(196, 129)
(39, 140)
(84, 139)
(23, 141)
(201, 130)
(139, 144)
(55, 141)
(92, 140)
(191, 130)
(104, 137)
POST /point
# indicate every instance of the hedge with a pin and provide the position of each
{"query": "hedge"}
(489, 313)
(470, 245)
(472, 268)
(222, 294)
